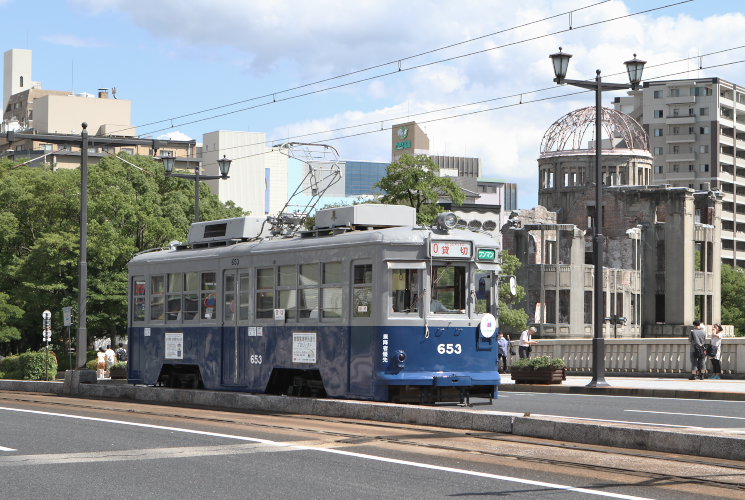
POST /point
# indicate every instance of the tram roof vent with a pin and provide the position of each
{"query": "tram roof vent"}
(238, 228)
(366, 215)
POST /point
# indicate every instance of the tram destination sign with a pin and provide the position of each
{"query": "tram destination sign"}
(451, 249)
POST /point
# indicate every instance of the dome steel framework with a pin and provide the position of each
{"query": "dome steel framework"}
(570, 132)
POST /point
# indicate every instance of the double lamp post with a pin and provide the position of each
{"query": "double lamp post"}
(634, 67)
(224, 165)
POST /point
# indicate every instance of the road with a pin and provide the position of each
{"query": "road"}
(56, 447)
(673, 412)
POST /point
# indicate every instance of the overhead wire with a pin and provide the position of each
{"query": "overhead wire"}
(389, 73)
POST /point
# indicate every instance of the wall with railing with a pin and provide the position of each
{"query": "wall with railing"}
(638, 356)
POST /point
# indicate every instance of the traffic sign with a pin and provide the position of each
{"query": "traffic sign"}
(67, 316)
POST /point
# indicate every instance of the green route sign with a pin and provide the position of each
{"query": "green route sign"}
(486, 254)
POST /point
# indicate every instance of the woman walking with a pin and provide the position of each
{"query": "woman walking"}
(716, 351)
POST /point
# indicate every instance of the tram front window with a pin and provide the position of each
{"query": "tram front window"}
(448, 294)
(483, 283)
(405, 290)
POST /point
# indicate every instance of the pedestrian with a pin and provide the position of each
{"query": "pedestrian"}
(121, 353)
(101, 362)
(715, 351)
(697, 338)
(110, 357)
(503, 347)
(526, 342)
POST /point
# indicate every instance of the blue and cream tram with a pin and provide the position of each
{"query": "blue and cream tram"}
(368, 306)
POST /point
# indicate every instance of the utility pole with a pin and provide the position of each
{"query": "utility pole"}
(84, 141)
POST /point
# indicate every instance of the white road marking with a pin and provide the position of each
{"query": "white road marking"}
(685, 414)
(629, 397)
(342, 452)
(3, 448)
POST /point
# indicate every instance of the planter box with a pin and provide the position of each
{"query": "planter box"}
(118, 372)
(539, 376)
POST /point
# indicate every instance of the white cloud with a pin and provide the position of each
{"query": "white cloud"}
(72, 41)
(175, 136)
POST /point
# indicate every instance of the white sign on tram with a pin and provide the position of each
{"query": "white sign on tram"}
(451, 249)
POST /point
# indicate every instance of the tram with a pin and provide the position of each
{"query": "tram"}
(367, 305)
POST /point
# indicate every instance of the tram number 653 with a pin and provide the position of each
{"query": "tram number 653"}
(255, 359)
(449, 349)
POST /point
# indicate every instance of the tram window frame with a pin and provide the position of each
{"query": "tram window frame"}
(157, 297)
(332, 291)
(308, 291)
(362, 289)
(229, 312)
(286, 290)
(208, 286)
(439, 291)
(480, 271)
(405, 277)
(265, 279)
(244, 295)
(174, 297)
(139, 298)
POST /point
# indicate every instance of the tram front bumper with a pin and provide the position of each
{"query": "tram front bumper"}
(438, 380)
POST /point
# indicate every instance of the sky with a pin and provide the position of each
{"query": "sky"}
(475, 74)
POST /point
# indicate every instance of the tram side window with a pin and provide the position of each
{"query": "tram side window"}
(405, 290)
(448, 294)
(265, 293)
(362, 277)
(287, 290)
(308, 291)
(209, 295)
(138, 298)
(244, 296)
(331, 306)
(191, 296)
(174, 287)
(483, 281)
(157, 289)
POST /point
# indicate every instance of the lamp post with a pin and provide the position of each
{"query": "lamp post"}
(224, 165)
(634, 67)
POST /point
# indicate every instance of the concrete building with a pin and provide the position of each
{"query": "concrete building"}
(697, 136)
(662, 244)
(32, 110)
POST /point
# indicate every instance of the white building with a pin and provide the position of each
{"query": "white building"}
(258, 173)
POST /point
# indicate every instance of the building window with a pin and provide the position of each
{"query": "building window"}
(691, 112)
(658, 132)
(703, 111)
(20, 81)
(46, 147)
(675, 167)
(658, 113)
(658, 169)
(676, 112)
(657, 94)
(690, 167)
(705, 167)
(659, 150)
(704, 130)
(674, 92)
(700, 91)
(676, 130)
(676, 149)
(704, 148)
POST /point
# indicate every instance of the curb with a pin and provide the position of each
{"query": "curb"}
(722, 446)
(624, 391)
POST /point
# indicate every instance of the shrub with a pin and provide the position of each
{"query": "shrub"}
(120, 364)
(539, 362)
(38, 365)
(11, 368)
(92, 364)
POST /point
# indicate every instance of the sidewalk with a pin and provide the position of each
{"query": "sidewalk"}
(659, 387)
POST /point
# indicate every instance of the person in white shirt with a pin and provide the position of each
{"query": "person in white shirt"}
(716, 351)
(526, 341)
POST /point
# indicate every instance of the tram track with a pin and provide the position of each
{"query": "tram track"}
(425, 440)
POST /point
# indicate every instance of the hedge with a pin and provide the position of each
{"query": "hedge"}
(30, 366)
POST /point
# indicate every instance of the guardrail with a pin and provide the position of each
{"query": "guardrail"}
(642, 356)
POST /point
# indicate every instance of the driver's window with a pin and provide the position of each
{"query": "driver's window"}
(405, 290)
(448, 294)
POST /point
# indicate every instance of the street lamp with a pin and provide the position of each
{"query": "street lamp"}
(634, 67)
(223, 163)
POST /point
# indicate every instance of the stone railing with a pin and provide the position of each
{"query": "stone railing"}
(642, 356)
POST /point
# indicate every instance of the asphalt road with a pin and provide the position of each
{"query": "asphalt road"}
(674, 412)
(52, 447)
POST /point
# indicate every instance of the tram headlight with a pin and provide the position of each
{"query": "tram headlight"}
(447, 221)
(399, 358)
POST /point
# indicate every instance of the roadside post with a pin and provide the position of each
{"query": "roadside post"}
(67, 322)
(47, 336)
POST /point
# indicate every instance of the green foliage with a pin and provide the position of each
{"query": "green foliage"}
(92, 364)
(414, 181)
(539, 362)
(120, 364)
(30, 366)
(129, 210)
(733, 290)
(512, 318)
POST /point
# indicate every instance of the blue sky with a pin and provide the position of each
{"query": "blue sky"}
(173, 58)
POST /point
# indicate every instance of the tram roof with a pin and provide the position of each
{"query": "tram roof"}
(386, 236)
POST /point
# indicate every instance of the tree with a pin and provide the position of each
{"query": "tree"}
(129, 211)
(414, 181)
(733, 290)
(512, 318)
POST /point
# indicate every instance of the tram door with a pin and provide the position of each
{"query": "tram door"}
(232, 350)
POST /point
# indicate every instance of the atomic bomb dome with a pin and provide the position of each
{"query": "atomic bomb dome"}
(567, 160)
